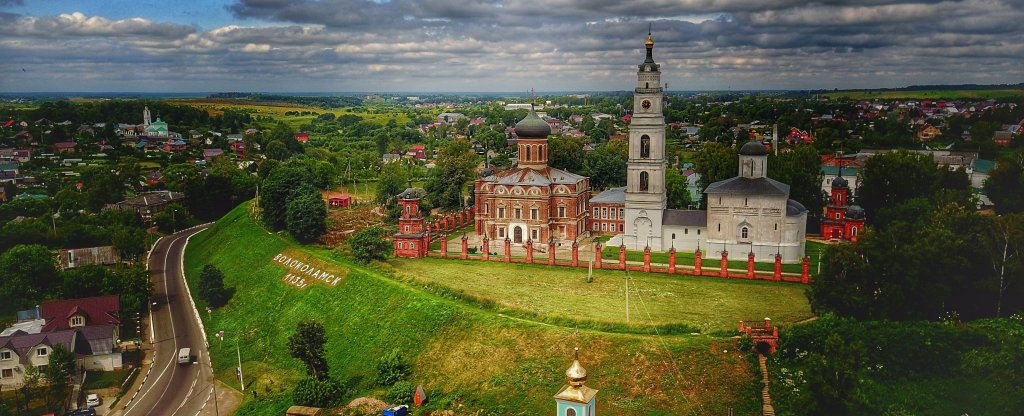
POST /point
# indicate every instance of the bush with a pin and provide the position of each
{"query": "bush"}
(401, 393)
(211, 287)
(392, 368)
(369, 245)
(317, 393)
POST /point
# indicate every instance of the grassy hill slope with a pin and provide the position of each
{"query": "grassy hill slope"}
(470, 358)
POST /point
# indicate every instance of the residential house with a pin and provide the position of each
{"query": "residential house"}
(418, 152)
(1003, 138)
(391, 158)
(64, 147)
(78, 257)
(209, 154)
(148, 204)
(928, 133)
(175, 145)
(449, 118)
(302, 137)
(95, 348)
(73, 313)
(154, 178)
(238, 147)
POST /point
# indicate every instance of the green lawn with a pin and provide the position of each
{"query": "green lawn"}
(466, 355)
(562, 294)
(686, 258)
(104, 379)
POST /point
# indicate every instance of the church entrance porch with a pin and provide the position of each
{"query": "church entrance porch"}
(517, 235)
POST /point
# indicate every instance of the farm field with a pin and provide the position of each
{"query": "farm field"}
(562, 294)
(467, 357)
(277, 110)
(928, 94)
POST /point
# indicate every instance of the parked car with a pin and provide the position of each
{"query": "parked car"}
(92, 400)
(82, 412)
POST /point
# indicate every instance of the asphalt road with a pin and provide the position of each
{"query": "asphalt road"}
(170, 388)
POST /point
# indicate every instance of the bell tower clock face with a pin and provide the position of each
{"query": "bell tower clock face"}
(646, 104)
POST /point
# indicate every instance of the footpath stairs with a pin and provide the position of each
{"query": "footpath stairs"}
(766, 398)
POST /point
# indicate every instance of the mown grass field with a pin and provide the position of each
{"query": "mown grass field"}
(277, 110)
(928, 94)
(464, 355)
(709, 262)
(562, 294)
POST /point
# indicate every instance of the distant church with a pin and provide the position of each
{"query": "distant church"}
(747, 213)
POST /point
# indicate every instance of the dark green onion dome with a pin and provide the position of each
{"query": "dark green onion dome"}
(855, 212)
(532, 126)
(840, 182)
(753, 148)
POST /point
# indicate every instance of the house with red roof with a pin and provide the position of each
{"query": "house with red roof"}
(418, 152)
(73, 313)
(64, 147)
(302, 137)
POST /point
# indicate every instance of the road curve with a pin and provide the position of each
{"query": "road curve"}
(170, 388)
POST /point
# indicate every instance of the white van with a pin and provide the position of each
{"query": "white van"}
(185, 356)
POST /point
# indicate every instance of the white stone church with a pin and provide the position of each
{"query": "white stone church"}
(747, 213)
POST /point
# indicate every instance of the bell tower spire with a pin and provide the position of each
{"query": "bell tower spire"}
(645, 168)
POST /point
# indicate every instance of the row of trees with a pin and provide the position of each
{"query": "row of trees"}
(928, 253)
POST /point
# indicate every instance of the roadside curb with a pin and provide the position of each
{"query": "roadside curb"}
(195, 311)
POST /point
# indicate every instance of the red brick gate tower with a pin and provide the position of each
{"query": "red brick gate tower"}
(412, 239)
(842, 221)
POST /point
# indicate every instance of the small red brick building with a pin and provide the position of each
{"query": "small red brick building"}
(842, 221)
(412, 238)
(608, 212)
(339, 201)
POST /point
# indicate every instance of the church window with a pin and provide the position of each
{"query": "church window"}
(685, 231)
(644, 179)
(535, 153)
(412, 245)
(645, 146)
(776, 226)
(527, 148)
(837, 215)
(745, 201)
(719, 227)
(647, 84)
(561, 211)
(518, 213)
(853, 231)
(612, 227)
(719, 200)
(406, 228)
(570, 412)
(744, 232)
(604, 226)
(501, 212)
(698, 231)
(534, 214)
(673, 236)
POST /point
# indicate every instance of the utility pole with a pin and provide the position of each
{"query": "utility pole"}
(241, 378)
(627, 296)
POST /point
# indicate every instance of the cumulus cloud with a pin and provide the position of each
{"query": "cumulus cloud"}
(431, 45)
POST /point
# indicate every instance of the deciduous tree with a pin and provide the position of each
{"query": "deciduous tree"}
(369, 244)
(307, 345)
(307, 215)
(1006, 183)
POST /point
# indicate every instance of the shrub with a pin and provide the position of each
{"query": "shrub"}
(211, 287)
(392, 368)
(317, 393)
(369, 245)
(401, 393)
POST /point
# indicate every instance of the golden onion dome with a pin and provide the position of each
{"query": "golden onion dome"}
(650, 41)
(576, 374)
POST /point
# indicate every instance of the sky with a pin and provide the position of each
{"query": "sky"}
(501, 46)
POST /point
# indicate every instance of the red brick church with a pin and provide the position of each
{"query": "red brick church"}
(842, 221)
(412, 239)
(532, 201)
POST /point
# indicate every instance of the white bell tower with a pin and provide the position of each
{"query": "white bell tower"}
(146, 120)
(645, 171)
